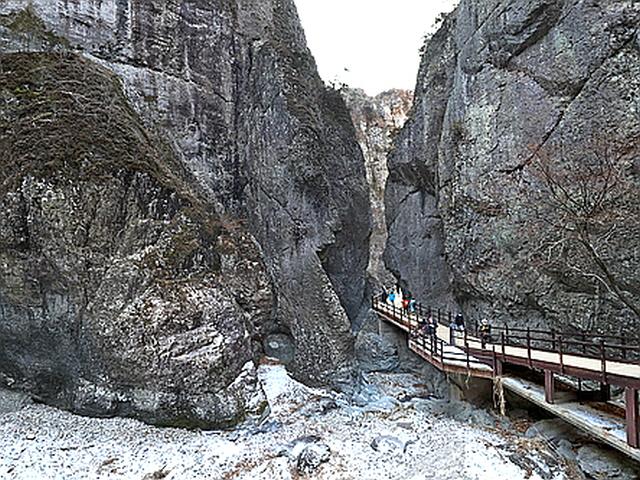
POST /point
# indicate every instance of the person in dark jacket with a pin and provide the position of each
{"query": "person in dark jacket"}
(459, 322)
(485, 332)
(432, 326)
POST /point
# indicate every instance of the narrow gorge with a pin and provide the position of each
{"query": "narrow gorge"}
(193, 225)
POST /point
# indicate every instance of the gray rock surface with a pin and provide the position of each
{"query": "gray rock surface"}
(554, 430)
(388, 444)
(462, 412)
(377, 120)
(311, 457)
(597, 462)
(12, 401)
(120, 293)
(117, 296)
(376, 354)
(513, 187)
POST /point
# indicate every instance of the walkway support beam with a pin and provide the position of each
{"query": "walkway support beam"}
(549, 387)
(605, 392)
(631, 407)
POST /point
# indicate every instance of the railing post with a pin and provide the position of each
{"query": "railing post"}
(442, 353)
(495, 359)
(549, 387)
(529, 346)
(605, 392)
(502, 342)
(584, 344)
(561, 354)
(506, 331)
(553, 339)
(433, 352)
(603, 358)
(631, 408)
(623, 342)
(466, 349)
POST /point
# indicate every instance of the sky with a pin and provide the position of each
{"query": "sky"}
(369, 44)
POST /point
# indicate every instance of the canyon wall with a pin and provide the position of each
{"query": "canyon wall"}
(377, 120)
(181, 193)
(513, 188)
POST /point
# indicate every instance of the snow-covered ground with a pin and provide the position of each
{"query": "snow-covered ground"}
(400, 436)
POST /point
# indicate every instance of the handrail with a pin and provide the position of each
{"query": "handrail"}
(563, 343)
(435, 347)
(553, 331)
(432, 345)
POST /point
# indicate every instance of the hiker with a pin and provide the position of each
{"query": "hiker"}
(391, 298)
(405, 304)
(422, 328)
(459, 322)
(453, 327)
(432, 326)
(398, 301)
(485, 332)
(412, 305)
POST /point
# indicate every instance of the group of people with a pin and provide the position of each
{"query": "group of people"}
(401, 300)
(404, 301)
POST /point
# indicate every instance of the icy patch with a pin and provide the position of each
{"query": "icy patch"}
(285, 394)
(484, 462)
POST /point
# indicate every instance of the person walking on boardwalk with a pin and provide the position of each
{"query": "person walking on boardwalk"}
(405, 303)
(391, 298)
(398, 302)
(432, 326)
(423, 328)
(459, 322)
(485, 332)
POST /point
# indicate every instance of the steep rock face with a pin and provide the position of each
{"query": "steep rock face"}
(377, 120)
(120, 293)
(231, 88)
(514, 186)
(414, 251)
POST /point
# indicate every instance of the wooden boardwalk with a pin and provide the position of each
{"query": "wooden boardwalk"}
(609, 363)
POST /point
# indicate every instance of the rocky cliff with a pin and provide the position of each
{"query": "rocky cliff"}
(180, 193)
(377, 120)
(513, 189)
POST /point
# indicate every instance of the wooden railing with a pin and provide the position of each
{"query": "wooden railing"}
(601, 347)
(431, 344)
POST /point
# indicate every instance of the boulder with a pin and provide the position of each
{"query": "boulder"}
(12, 401)
(603, 463)
(386, 444)
(375, 353)
(121, 292)
(311, 457)
(554, 430)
